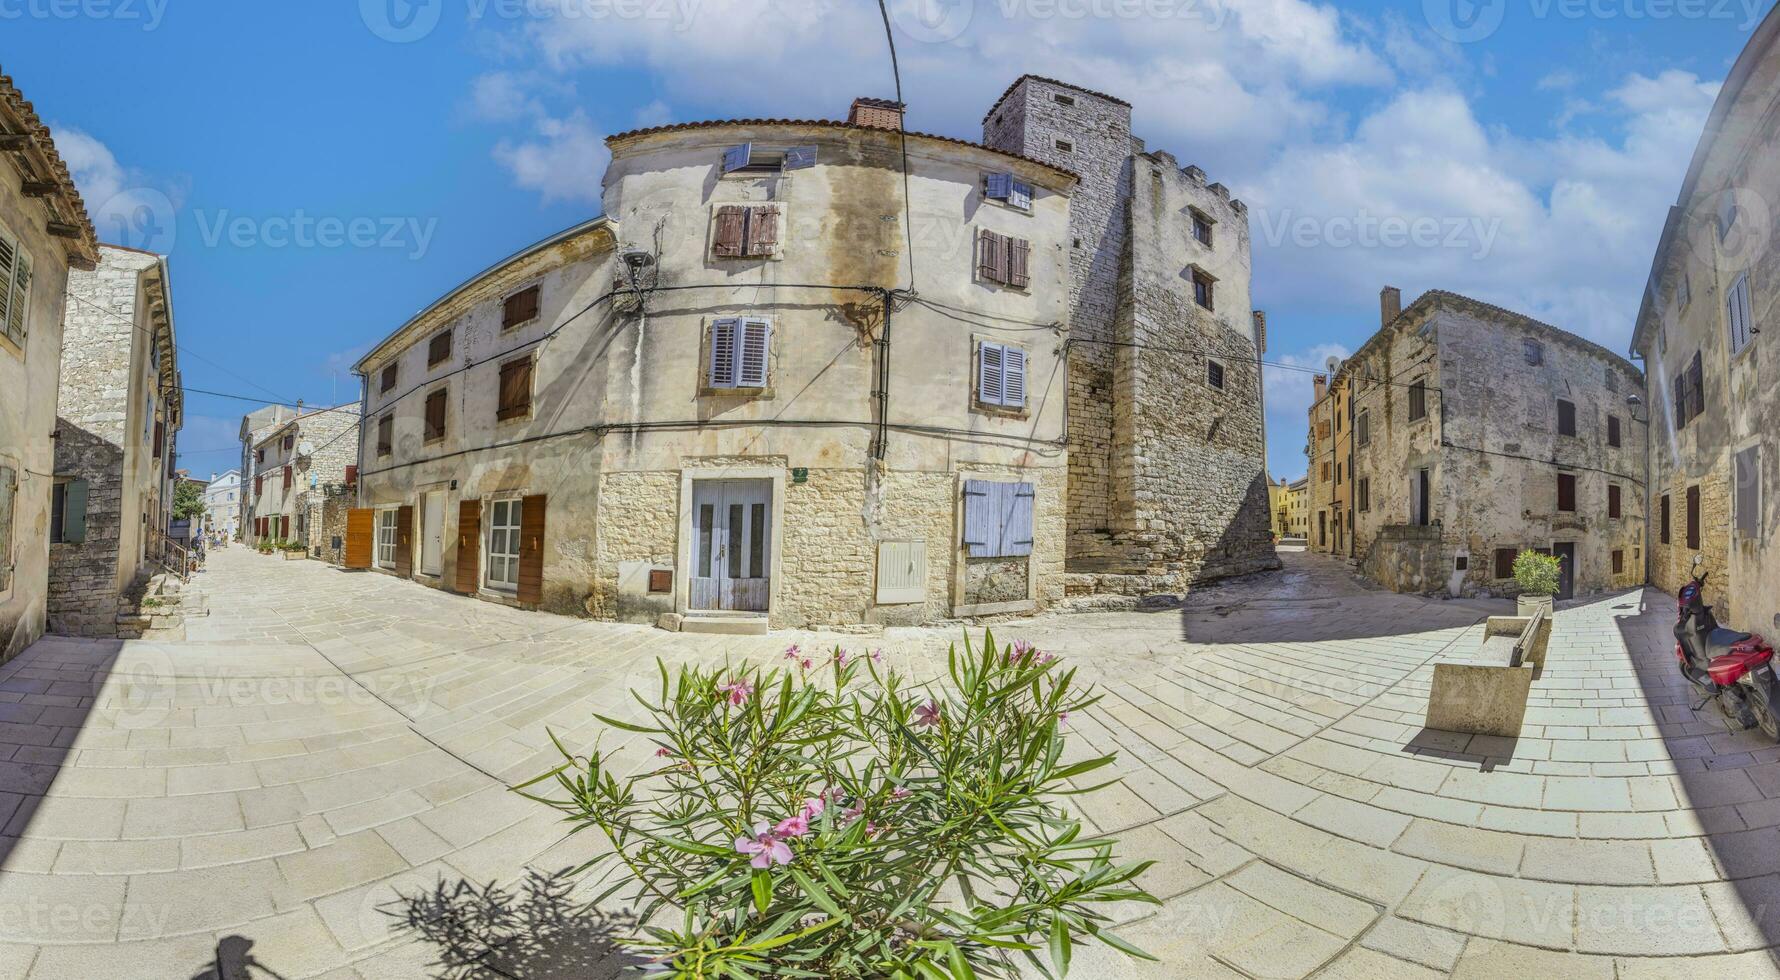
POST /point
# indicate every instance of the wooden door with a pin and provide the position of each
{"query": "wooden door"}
(731, 545)
(1566, 555)
(360, 533)
(404, 560)
(469, 546)
(432, 533)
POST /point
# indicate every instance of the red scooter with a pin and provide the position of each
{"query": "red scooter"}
(1735, 669)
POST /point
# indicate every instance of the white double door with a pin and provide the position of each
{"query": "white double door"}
(731, 544)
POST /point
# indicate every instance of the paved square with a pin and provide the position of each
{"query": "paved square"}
(301, 787)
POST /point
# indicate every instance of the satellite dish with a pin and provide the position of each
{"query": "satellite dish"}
(305, 448)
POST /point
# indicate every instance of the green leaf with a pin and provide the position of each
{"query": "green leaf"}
(1122, 945)
(628, 726)
(817, 893)
(763, 890)
(1060, 945)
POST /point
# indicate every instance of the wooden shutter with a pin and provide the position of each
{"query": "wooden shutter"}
(1566, 491)
(405, 542)
(1696, 387)
(388, 380)
(989, 373)
(1566, 418)
(737, 157)
(361, 529)
(1418, 400)
(287, 477)
(1013, 377)
(1504, 562)
(386, 435)
(979, 522)
(256, 483)
(1017, 251)
(351, 474)
(763, 231)
(439, 348)
(160, 434)
(726, 241)
(1016, 526)
(8, 257)
(16, 325)
(1019, 195)
(531, 549)
(1613, 500)
(435, 415)
(516, 389)
(723, 352)
(1665, 519)
(991, 257)
(799, 157)
(755, 340)
(1613, 430)
(520, 307)
(998, 186)
(74, 512)
(469, 544)
(1693, 518)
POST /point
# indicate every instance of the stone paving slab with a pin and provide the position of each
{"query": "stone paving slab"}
(325, 758)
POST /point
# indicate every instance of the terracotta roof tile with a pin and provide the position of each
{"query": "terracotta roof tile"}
(19, 117)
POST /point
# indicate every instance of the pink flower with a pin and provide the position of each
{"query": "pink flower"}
(767, 848)
(736, 690)
(1045, 658)
(877, 655)
(793, 652)
(853, 812)
(1062, 718)
(664, 752)
(840, 657)
(795, 826)
(901, 793)
(927, 715)
(813, 807)
(1021, 650)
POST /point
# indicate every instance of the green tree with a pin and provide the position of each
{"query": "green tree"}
(188, 500)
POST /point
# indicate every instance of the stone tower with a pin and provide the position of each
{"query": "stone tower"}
(1167, 468)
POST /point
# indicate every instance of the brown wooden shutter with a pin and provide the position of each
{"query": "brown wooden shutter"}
(160, 433)
(1665, 529)
(352, 474)
(388, 380)
(257, 477)
(1613, 501)
(991, 257)
(1696, 387)
(360, 530)
(469, 544)
(516, 389)
(439, 349)
(1566, 491)
(1504, 562)
(1613, 430)
(1017, 251)
(405, 542)
(531, 549)
(520, 307)
(763, 231)
(386, 435)
(727, 241)
(1693, 518)
(435, 415)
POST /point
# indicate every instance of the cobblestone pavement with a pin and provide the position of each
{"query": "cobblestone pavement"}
(324, 760)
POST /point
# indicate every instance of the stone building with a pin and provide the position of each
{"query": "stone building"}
(255, 426)
(44, 233)
(295, 462)
(120, 407)
(1475, 433)
(1276, 507)
(1167, 452)
(1298, 509)
(1330, 452)
(222, 505)
(1703, 333)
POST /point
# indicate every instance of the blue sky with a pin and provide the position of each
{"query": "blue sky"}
(318, 172)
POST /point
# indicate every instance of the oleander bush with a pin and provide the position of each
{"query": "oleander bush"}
(830, 819)
(1537, 573)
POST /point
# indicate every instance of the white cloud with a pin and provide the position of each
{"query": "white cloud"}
(656, 113)
(1286, 384)
(126, 206)
(563, 160)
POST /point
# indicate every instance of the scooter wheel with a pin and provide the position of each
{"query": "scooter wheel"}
(1764, 714)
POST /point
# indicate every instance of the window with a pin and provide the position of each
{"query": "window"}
(1567, 492)
(503, 544)
(1065, 146)
(740, 352)
(1533, 351)
(1326, 472)
(521, 307)
(1737, 313)
(748, 159)
(1202, 289)
(285, 443)
(1001, 375)
(1003, 259)
(1727, 214)
(1684, 291)
(1338, 477)
(1664, 506)
(1201, 229)
(435, 416)
(9, 491)
(1063, 99)
(1363, 428)
(15, 306)
(388, 381)
(386, 536)
(1613, 501)
(259, 455)
(1746, 493)
(386, 437)
(745, 232)
(1690, 392)
(1003, 187)
(1504, 562)
(516, 389)
(1618, 562)
(1566, 418)
(1418, 400)
(439, 348)
(1693, 518)
(997, 519)
(1214, 374)
(1365, 495)
(1613, 431)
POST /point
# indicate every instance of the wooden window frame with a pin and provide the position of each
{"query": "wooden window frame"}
(1418, 400)
(1500, 572)
(515, 513)
(1207, 282)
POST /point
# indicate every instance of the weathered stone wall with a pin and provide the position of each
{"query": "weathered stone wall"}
(1406, 558)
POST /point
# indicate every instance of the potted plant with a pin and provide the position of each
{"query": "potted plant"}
(831, 819)
(1537, 574)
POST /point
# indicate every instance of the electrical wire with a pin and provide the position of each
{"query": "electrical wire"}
(181, 351)
(908, 219)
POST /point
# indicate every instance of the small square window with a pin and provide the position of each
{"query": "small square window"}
(1214, 374)
(1064, 99)
(1534, 352)
(388, 381)
(1202, 289)
(1202, 229)
(1065, 146)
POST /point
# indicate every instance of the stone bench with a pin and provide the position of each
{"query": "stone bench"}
(1487, 694)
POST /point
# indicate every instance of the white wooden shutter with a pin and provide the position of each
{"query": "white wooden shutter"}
(998, 186)
(1016, 528)
(8, 257)
(902, 572)
(21, 298)
(981, 532)
(1737, 309)
(723, 352)
(1013, 377)
(989, 373)
(1019, 194)
(736, 157)
(751, 353)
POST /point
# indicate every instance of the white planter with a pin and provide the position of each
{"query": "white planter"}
(1526, 605)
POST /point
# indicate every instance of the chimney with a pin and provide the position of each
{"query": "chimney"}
(875, 114)
(1390, 303)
